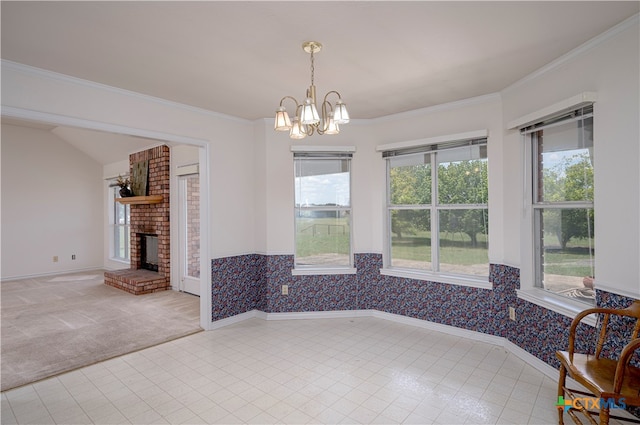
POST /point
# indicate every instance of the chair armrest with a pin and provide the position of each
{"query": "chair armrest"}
(623, 363)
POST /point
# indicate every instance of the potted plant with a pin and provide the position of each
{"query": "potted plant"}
(125, 189)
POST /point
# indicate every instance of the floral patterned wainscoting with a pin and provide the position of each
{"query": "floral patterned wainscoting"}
(253, 282)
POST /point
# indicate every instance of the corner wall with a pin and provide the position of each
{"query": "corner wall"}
(52, 205)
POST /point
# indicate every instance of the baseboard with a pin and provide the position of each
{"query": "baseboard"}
(318, 314)
(39, 275)
(450, 330)
(233, 319)
(532, 360)
(522, 354)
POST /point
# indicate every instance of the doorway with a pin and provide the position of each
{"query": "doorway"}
(189, 233)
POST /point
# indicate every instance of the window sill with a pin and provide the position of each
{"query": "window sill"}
(320, 271)
(557, 303)
(474, 282)
(119, 260)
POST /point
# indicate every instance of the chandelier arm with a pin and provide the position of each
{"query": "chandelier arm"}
(292, 98)
(332, 91)
(325, 116)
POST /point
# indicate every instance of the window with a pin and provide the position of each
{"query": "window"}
(120, 226)
(322, 210)
(437, 209)
(562, 204)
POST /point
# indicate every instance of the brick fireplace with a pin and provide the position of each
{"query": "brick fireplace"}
(148, 217)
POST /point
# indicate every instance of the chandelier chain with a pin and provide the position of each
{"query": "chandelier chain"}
(313, 69)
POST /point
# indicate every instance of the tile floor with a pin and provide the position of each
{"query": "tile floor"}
(361, 370)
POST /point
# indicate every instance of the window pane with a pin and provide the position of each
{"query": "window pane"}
(322, 182)
(410, 180)
(121, 230)
(322, 238)
(566, 254)
(462, 176)
(411, 239)
(464, 241)
(122, 213)
(565, 162)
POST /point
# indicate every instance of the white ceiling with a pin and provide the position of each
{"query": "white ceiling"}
(240, 58)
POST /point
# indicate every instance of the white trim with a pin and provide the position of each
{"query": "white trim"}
(557, 303)
(439, 327)
(469, 135)
(482, 283)
(566, 105)
(336, 314)
(204, 159)
(233, 319)
(68, 121)
(43, 73)
(571, 55)
(185, 170)
(533, 361)
(320, 271)
(315, 148)
(499, 341)
(56, 273)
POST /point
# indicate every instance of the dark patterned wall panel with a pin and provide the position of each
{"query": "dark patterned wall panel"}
(235, 288)
(307, 293)
(244, 283)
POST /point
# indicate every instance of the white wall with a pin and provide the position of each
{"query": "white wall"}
(609, 66)
(369, 173)
(52, 205)
(251, 169)
(229, 140)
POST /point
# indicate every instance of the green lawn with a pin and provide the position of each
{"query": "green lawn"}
(454, 248)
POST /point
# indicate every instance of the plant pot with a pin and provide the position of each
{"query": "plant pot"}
(125, 192)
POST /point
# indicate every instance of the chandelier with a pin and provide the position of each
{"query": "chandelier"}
(307, 120)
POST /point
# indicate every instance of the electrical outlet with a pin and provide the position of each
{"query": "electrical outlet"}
(55, 258)
(512, 313)
(73, 256)
(285, 289)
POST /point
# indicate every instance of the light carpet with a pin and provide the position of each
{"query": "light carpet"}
(56, 324)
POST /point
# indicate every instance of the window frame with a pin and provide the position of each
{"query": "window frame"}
(538, 206)
(424, 146)
(528, 291)
(114, 226)
(324, 153)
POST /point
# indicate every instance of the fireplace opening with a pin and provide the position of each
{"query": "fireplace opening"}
(149, 252)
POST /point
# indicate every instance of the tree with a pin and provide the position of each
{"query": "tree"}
(569, 180)
(410, 185)
(464, 183)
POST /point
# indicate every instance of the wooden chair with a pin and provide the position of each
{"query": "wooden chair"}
(614, 382)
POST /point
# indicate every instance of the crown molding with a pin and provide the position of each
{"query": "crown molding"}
(485, 98)
(55, 76)
(578, 51)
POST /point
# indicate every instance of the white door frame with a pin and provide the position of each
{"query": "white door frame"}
(186, 283)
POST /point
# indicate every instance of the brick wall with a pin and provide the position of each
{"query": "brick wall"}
(193, 225)
(153, 218)
(149, 219)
